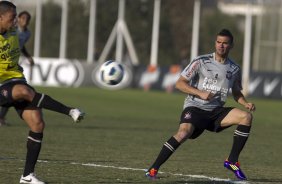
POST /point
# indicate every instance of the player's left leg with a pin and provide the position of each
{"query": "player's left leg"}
(243, 120)
(33, 118)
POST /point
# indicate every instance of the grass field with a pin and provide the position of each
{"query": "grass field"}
(122, 135)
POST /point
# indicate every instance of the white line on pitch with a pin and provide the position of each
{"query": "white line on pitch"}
(137, 169)
(185, 175)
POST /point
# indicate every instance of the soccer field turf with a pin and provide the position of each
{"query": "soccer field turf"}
(122, 134)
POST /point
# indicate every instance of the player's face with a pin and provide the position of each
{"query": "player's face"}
(8, 20)
(223, 46)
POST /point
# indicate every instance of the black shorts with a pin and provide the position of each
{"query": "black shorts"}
(204, 120)
(6, 99)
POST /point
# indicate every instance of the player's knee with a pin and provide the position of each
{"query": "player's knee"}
(37, 126)
(34, 120)
(183, 134)
(247, 118)
(180, 136)
(29, 94)
(24, 93)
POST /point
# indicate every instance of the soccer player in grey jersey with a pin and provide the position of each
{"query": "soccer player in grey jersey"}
(206, 74)
(207, 81)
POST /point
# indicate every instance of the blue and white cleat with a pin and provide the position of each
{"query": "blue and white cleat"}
(235, 168)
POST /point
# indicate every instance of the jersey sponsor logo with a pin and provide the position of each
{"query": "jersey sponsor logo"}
(211, 85)
(192, 69)
(5, 48)
(8, 52)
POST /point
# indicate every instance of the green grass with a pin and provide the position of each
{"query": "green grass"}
(127, 128)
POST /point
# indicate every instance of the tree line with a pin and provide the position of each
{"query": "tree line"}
(174, 36)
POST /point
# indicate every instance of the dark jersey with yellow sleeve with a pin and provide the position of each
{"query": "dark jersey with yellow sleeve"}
(9, 57)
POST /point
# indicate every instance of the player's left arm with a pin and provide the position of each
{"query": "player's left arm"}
(240, 98)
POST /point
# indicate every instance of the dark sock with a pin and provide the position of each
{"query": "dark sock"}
(3, 112)
(168, 148)
(33, 148)
(46, 102)
(240, 138)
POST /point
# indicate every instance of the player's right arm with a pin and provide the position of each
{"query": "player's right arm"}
(183, 85)
(187, 75)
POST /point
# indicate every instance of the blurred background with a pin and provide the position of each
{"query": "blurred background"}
(154, 38)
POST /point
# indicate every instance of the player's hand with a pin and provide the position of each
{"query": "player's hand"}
(250, 106)
(206, 95)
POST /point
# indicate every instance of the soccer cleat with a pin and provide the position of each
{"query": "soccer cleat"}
(31, 178)
(76, 115)
(152, 173)
(235, 168)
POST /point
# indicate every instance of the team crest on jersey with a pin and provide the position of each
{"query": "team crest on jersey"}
(4, 93)
(187, 115)
(229, 75)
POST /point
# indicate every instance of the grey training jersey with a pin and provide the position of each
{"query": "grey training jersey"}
(205, 73)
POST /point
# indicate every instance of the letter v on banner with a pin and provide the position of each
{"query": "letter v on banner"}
(269, 86)
(254, 84)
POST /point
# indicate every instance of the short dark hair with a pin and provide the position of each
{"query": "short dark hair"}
(25, 13)
(6, 6)
(226, 32)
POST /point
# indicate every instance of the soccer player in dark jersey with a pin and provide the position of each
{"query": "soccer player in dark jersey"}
(207, 81)
(14, 91)
(24, 35)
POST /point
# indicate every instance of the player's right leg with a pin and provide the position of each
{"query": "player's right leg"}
(33, 118)
(45, 101)
(185, 131)
(39, 100)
